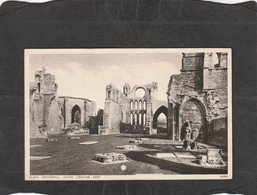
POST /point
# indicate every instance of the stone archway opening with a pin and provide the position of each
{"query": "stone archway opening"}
(160, 120)
(76, 115)
(193, 111)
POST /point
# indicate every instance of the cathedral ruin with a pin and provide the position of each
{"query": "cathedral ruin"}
(50, 113)
(137, 108)
(199, 94)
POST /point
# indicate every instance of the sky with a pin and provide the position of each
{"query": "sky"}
(86, 75)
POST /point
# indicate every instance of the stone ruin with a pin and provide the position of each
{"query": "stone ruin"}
(190, 136)
(109, 158)
(213, 157)
(128, 147)
(76, 129)
(136, 141)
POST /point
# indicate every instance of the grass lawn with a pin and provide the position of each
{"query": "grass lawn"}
(68, 157)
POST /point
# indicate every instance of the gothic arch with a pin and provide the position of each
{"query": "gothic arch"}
(192, 109)
(161, 109)
(76, 114)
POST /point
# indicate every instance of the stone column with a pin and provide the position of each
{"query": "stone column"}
(171, 124)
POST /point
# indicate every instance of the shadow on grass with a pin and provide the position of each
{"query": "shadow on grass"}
(172, 166)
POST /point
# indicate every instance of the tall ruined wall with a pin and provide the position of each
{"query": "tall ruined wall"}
(199, 94)
(44, 102)
(112, 117)
(192, 71)
(134, 108)
(86, 108)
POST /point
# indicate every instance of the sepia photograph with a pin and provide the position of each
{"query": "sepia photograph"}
(128, 114)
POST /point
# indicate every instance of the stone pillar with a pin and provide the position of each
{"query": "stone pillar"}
(171, 125)
(149, 118)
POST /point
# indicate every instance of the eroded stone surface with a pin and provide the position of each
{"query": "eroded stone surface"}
(49, 113)
(109, 158)
(213, 157)
(199, 94)
(128, 147)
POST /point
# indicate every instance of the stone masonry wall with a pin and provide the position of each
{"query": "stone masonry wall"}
(204, 78)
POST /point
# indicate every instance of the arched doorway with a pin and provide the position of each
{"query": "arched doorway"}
(160, 119)
(76, 115)
(193, 111)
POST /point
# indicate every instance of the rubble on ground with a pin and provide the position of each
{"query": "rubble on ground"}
(135, 141)
(76, 129)
(108, 158)
(128, 147)
(213, 157)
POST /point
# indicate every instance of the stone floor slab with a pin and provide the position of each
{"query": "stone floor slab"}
(89, 142)
(33, 146)
(184, 155)
(39, 157)
(165, 155)
(180, 147)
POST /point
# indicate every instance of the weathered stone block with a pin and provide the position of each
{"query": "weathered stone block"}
(136, 141)
(214, 156)
(109, 158)
(127, 147)
(201, 159)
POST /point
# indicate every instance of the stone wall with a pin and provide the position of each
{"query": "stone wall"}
(136, 110)
(112, 117)
(87, 109)
(199, 94)
(51, 112)
(42, 92)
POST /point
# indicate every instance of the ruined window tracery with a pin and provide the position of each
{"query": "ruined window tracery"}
(140, 119)
(140, 105)
(136, 119)
(144, 105)
(135, 105)
(131, 119)
(131, 105)
(144, 119)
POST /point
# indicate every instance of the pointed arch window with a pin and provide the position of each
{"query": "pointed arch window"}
(140, 119)
(140, 105)
(131, 119)
(131, 105)
(144, 105)
(135, 105)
